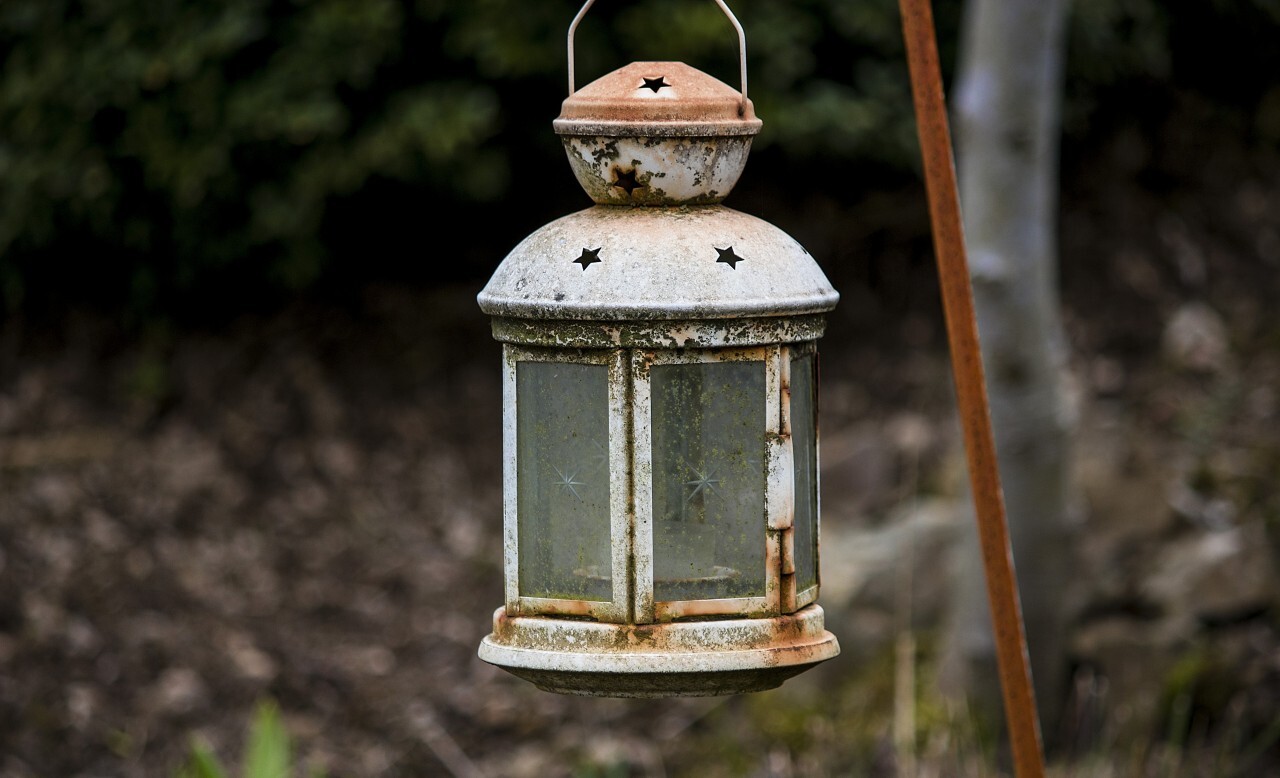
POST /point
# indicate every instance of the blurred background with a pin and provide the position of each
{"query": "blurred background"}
(249, 411)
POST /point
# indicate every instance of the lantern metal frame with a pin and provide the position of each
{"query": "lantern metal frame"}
(616, 609)
(769, 602)
(633, 645)
(630, 410)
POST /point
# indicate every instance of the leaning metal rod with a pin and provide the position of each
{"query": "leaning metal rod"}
(971, 391)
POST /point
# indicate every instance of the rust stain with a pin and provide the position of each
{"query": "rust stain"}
(691, 99)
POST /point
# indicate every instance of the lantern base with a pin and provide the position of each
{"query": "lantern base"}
(680, 659)
(654, 685)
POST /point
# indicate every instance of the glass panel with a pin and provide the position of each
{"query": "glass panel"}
(804, 448)
(708, 480)
(562, 470)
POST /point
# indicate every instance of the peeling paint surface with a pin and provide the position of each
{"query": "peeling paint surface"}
(657, 171)
(659, 660)
(749, 331)
(687, 526)
(657, 264)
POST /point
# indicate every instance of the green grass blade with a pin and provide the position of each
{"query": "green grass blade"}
(202, 764)
(268, 753)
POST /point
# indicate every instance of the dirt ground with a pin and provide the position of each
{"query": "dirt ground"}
(305, 505)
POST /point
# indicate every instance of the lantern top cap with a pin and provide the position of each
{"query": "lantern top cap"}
(657, 99)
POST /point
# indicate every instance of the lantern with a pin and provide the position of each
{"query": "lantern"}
(660, 410)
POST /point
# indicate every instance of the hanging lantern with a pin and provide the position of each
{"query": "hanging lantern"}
(660, 410)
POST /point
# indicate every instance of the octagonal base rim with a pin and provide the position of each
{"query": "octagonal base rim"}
(659, 685)
(664, 660)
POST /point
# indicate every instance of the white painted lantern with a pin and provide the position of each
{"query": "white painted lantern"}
(660, 411)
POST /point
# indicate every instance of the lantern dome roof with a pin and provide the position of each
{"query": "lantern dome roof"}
(644, 264)
(657, 99)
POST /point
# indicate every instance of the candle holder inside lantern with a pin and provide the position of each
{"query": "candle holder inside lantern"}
(660, 410)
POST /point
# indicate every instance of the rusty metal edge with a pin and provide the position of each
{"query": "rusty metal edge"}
(548, 643)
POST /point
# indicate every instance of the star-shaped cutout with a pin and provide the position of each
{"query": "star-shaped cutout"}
(625, 180)
(656, 83)
(729, 258)
(589, 257)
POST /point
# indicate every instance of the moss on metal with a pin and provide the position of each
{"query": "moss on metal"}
(753, 331)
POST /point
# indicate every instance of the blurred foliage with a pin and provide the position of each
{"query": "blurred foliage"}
(268, 753)
(161, 152)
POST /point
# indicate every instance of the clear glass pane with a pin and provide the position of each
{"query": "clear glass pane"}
(708, 480)
(562, 470)
(804, 447)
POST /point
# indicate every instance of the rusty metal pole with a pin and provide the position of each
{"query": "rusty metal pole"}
(971, 390)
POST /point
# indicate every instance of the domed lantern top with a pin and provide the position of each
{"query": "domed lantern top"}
(684, 271)
(657, 133)
(659, 99)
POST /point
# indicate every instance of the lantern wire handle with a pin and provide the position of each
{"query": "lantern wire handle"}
(971, 390)
(742, 44)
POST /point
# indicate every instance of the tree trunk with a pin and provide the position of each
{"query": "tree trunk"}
(1008, 97)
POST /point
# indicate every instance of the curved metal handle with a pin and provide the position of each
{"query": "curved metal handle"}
(742, 43)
